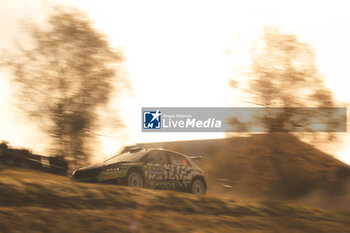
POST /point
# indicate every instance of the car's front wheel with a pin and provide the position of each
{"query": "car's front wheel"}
(134, 179)
(198, 187)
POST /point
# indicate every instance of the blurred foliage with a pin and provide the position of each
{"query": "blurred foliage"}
(284, 81)
(284, 76)
(66, 78)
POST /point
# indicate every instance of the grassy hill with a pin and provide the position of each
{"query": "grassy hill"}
(279, 166)
(32, 201)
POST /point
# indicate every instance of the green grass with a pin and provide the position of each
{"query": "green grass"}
(38, 202)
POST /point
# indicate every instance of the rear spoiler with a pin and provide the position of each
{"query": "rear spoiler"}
(196, 157)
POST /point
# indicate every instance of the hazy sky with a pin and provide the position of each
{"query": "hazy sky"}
(183, 53)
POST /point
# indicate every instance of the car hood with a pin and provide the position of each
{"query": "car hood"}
(91, 166)
(101, 165)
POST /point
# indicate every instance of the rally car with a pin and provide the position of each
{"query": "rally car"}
(155, 168)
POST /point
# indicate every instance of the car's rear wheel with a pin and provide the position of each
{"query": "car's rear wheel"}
(198, 187)
(134, 179)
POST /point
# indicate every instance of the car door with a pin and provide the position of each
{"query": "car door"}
(180, 170)
(156, 163)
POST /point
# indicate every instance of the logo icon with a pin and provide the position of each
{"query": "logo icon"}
(152, 119)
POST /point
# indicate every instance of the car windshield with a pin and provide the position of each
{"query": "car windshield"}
(125, 157)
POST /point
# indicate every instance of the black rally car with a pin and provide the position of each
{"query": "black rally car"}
(154, 168)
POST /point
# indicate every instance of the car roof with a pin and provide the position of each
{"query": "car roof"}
(162, 149)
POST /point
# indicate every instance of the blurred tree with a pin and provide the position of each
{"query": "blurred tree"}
(66, 78)
(284, 75)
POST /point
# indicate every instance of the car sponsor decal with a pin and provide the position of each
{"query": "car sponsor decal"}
(112, 174)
